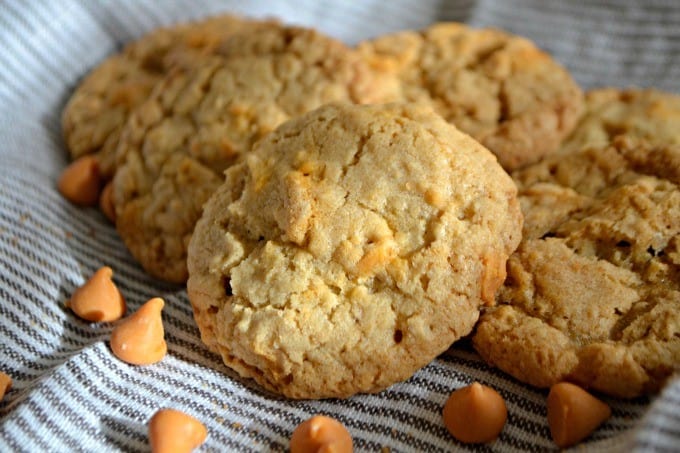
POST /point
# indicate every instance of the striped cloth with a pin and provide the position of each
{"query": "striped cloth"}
(71, 394)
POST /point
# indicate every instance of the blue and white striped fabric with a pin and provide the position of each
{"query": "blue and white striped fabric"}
(71, 394)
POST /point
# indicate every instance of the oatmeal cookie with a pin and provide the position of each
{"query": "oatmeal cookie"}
(199, 121)
(593, 292)
(96, 112)
(499, 88)
(647, 114)
(350, 248)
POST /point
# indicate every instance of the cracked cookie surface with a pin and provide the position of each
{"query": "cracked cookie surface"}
(350, 248)
(100, 105)
(644, 114)
(499, 88)
(199, 121)
(593, 291)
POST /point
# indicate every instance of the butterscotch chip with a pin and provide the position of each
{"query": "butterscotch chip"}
(573, 413)
(475, 414)
(593, 291)
(173, 431)
(499, 88)
(97, 110)
(198, 122)
(98, 299)
(5, 384)
(646, 114)
(321, 433)
(139, 339)
(325, 265)
(80, 182)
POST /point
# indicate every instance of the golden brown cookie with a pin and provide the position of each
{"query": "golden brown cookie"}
(199, 121)
(593, 292)
(351, 247)
(100, 105)
(499, 88)
(647, 114)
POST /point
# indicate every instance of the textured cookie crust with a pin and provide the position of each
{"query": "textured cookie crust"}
(96, 112)
(593, 291)
(199, 121)
(647, 114)
(499, 88)
(350, 248)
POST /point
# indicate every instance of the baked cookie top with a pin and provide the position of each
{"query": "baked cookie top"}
(98, 108)
(647, 114)
(499, 88)
(199, 121)
(350, 248)
(593, 291)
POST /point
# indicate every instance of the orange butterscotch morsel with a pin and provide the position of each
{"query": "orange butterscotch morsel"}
(321, 434)
(475, 414)
(106, 203)
(139, 338)
(99, 299)
(81, 181)
(173, 431)
(5, 384)
(573, 413)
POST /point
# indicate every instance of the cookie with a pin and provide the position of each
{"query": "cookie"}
(98, 108)
(199, 121)
(500, 88)
(647, 114)
(351, 247)
(593, 292)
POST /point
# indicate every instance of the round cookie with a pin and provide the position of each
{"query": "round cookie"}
(647, 114)
(593, 291)
(351, 247)
(98, 108)
(499, 88)
(199, 121)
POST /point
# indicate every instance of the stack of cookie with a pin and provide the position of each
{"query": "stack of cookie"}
(344, 215)
(593, 291)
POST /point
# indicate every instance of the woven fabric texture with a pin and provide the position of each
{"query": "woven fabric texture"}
(71, 394)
